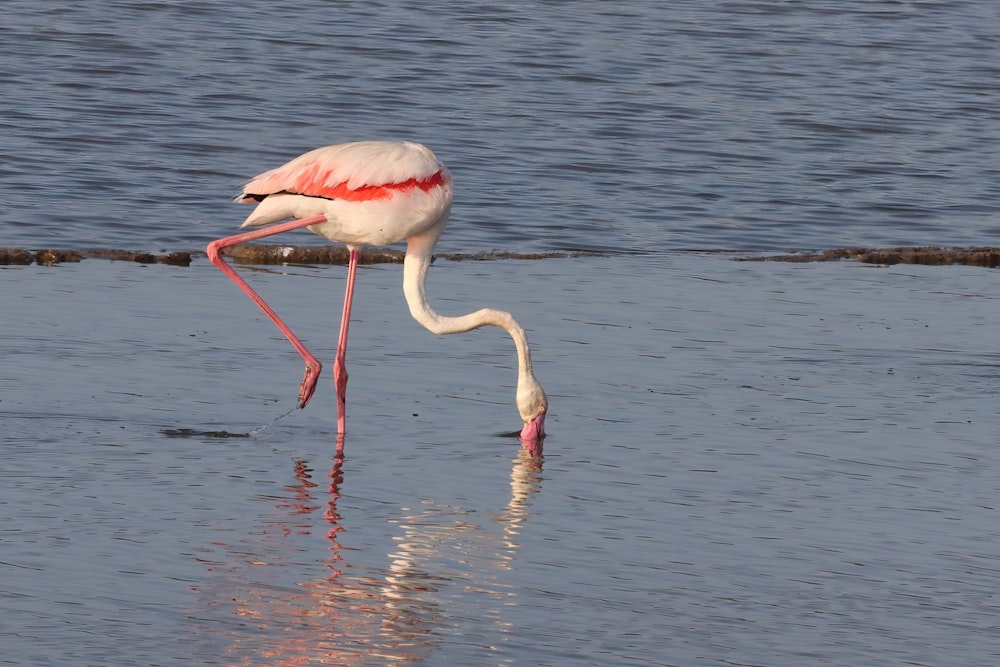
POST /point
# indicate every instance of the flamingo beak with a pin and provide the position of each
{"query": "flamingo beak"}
(534, 430)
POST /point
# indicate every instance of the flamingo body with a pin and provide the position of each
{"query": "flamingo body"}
(373, 192)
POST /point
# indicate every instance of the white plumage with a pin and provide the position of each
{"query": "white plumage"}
(371, 192)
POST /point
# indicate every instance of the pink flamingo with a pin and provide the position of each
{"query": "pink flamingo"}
(372, 192)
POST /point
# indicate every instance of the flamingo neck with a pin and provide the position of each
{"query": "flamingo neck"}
(531, 400)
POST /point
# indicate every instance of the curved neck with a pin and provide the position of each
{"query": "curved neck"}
(418, 259)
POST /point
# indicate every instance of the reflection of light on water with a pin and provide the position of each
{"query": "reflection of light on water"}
(525, 481)
(411, 607)
(345, 618)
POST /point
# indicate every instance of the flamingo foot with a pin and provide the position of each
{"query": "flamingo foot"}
(308, 386)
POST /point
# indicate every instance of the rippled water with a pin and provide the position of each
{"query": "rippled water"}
(641, 125)
(748, 463)
(769, 464)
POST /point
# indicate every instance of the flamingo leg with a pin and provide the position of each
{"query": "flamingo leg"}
(313, 365)
(339, 364)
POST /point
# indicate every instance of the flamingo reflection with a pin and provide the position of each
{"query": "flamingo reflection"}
(345, 617)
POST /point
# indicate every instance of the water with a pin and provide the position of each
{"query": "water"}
(646, 126)
(748, 463)
(769, 464)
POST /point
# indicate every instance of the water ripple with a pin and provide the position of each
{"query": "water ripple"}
(740, 126)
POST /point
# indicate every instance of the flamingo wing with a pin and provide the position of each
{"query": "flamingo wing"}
(361, 171)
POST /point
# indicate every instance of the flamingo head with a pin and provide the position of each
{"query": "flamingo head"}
(532, 404)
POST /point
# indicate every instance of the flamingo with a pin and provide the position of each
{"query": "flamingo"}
(372, 192)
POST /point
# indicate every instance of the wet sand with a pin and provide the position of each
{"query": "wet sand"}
(747, 462)
(931, 256)
(259, 254)
(262, 254)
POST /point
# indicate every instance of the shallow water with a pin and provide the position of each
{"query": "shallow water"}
(748, 463)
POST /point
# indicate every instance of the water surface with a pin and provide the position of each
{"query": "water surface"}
(646, 126)
(748, 463)
(766, 464)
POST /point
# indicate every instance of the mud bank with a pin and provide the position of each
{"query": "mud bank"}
(986, 257)
(259, 254)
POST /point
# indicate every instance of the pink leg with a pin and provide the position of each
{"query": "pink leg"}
(339, 366)
(313, 366)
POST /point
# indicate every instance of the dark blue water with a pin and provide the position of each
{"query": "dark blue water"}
(636, 126)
